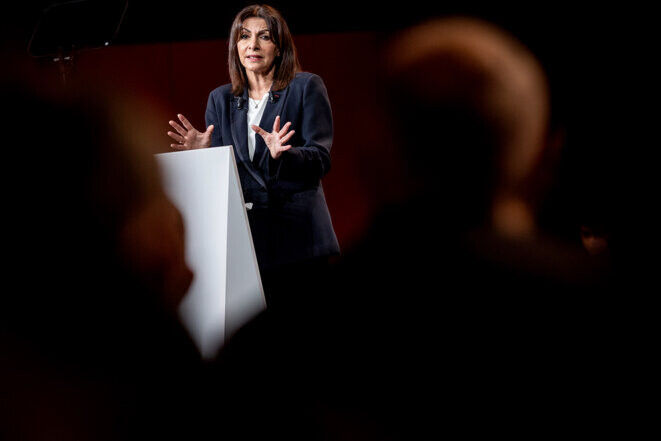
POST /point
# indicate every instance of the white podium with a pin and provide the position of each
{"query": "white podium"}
(226, 291)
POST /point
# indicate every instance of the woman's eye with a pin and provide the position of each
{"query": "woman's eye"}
(266, 38)
(244, 36)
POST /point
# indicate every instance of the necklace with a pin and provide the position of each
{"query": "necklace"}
(255, 102)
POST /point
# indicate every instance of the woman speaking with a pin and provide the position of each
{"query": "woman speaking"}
(279, 122)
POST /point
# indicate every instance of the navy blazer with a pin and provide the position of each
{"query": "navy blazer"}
(289, 220)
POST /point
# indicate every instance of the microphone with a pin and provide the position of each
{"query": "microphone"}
(239, 102)
(272, 97)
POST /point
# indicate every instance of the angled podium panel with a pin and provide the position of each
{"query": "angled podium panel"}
(226, 291)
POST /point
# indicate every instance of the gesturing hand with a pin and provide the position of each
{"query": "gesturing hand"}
(188, 137)
(277, 138)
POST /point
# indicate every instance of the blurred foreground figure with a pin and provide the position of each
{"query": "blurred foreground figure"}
(474, 318)
(91, 347)
(457, 314)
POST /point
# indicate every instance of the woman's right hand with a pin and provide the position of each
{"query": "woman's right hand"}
(188, 137)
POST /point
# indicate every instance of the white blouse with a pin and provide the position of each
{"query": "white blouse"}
(255, 112)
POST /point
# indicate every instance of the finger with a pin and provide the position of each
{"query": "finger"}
(284, 129)
(277, 151)
(178, 128)
(178, 147)
(287, 136)
(259, 130)
(276, 124)
(178, 138)
(209, 129)
(185, 122)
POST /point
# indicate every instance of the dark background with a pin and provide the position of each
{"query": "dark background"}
(165, 56)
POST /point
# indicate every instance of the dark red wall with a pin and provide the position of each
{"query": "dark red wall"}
(154, 82)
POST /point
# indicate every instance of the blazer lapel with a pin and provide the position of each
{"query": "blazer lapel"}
(239, 122)
(272, 110)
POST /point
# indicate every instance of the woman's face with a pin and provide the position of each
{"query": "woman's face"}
(256, 50)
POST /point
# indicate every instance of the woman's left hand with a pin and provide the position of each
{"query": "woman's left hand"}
(276, 140)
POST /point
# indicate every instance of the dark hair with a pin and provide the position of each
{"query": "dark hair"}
(286, 63)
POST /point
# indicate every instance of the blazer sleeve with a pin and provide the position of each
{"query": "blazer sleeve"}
(311, 160)
(212, 116)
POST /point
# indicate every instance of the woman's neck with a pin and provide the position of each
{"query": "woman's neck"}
(259, 84)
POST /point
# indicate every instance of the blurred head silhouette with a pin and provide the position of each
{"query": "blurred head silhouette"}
(95, 272)
(89, 206)
(472, 112)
